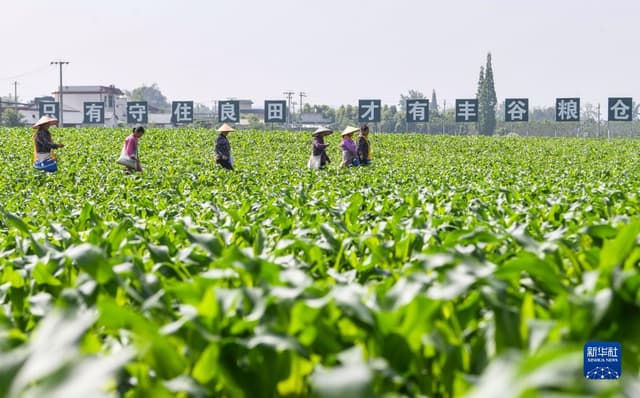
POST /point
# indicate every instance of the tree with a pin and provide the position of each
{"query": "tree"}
(255, 123)
(152, 95)
(487, 100)
(413, 94)
(12, 118)
(326, 111)
(540, 114)
(433, 106)
(346, 115)
(201, 108)
(387, 119)
(479, 96)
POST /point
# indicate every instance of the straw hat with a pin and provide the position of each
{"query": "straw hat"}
(45, 120)
(321, 132)
(225, 128)
(349, 130)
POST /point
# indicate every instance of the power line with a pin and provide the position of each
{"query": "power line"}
(40, 69)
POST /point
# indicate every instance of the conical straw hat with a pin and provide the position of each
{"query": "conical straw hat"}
(44, 120)
(322, 131)
(349, 130)
(225, 128)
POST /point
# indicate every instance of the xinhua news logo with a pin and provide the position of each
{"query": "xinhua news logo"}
(602, 360)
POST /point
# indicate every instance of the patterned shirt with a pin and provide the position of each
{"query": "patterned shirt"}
(320, 149)
(223, 147)
(43, 141)
(364, 149)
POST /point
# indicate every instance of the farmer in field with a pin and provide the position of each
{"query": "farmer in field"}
(349, 153)
(223, 147)
(43, 156)
(129, 157)
(319, 157)
(364, 147)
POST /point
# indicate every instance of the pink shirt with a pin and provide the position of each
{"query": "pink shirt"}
(131, 146)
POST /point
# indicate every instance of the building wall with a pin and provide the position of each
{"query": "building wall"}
(76, 101)
(245, 105)
(29, 116)
(74, 107)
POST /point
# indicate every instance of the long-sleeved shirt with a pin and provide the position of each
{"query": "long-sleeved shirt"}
(348, 145)
(348, 152)
(131, 146)
(320, 149)
(43, 141)
(364, 149)
(223, 147)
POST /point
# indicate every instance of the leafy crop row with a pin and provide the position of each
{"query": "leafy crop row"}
(453, 266)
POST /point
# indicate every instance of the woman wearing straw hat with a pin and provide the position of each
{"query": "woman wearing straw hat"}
(43, 145)
(349, 154)
(223, 147)
(364, 147)
(319, 157)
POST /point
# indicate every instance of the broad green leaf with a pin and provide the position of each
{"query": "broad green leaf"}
(614, 251)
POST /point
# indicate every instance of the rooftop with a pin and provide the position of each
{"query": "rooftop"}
(90, 90)
(313, 117)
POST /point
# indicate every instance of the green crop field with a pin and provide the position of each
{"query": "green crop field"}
(452, 266)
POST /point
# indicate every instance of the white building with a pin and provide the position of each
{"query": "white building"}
(74, 98)
(31, 113)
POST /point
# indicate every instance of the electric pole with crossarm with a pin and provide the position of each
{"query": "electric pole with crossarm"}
(60, 63)
(302, 94)
(289, 95)
(15, 95)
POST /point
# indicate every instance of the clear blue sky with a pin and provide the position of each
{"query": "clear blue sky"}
(336, 50)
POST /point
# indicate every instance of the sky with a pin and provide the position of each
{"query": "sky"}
(336, 51)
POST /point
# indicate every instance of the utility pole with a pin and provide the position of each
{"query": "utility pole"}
(289, 95)
(15, 95)
(302, 94)
(60, 63)
(444, 114)
(598, 120)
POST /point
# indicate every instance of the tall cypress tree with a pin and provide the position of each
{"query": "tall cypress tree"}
(434, 102)
(480, 97)
(490, 100)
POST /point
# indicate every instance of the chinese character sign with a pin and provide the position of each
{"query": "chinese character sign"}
(51, 109)
(275, 111)
(417, 110)
(466, 110)
(229, 111)
(602, 360)
(620, 109)
(369, 111)
(516, 110)
(137, 112)
(567, 109)
(93, 113)
(182, 112)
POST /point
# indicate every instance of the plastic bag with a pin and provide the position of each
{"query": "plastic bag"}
(49, 165)
(315, 162)
(126, 160)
